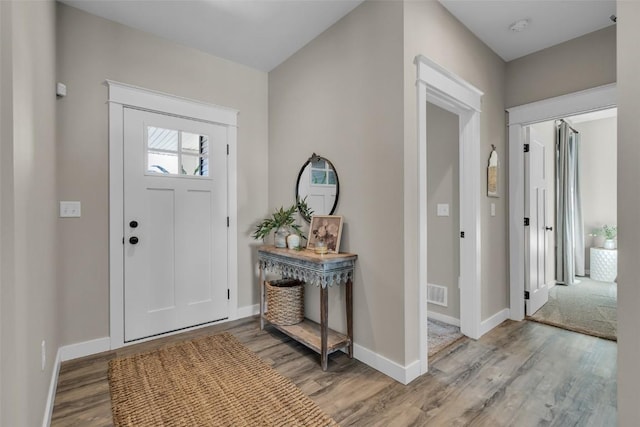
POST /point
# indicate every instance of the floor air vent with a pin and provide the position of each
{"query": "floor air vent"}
(437, 294)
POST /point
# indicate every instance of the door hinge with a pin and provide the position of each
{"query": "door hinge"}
(462, 234)
(227, 221)
(227, 149)
(228, 294)
(526, 148)
(526, 222)
(526, 294)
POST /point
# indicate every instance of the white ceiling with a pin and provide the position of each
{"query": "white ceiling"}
(551, 22)
(257, 33)
(263, 33)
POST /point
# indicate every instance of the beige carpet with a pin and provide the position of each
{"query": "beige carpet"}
(588, 307)
(441, 335)
(211, 381)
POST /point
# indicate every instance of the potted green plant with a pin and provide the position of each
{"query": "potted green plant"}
(282, 221)
(609, 232)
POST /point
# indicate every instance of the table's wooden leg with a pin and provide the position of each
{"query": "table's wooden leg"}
(349, 302)
(261, 298)
(324, 319)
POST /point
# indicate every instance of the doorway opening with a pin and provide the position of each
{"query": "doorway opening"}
(525, 123)
(443, 223)
(450, 92)
(581, 266)
(172, 226)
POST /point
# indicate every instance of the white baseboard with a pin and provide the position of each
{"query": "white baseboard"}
(388, 367)
(248, 311)
(493, 321)
(86, 348)
(443, 318)
(51, 396)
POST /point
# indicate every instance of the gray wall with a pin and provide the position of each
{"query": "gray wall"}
(91, 50)
(29, 291)
(628, 212)
(432, 31)
(443, 186)
(341, 97)
(598, 175)
(575, 65)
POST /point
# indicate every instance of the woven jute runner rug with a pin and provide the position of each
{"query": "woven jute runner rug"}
(211, 381)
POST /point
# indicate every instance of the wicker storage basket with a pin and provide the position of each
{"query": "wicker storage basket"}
(285, 302)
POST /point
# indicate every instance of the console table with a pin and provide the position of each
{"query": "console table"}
(316, 270)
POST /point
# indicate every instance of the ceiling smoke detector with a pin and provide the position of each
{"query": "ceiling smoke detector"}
(519, 26)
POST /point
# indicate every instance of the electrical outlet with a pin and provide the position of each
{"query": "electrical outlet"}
(43, 348)
(70, 209)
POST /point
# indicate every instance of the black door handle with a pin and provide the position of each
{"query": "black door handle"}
(133, 224)
(549, 228)
(133, 240)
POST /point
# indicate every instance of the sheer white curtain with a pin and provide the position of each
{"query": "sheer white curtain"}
(569, 223)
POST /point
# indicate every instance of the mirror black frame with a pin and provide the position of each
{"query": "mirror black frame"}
(314, 158)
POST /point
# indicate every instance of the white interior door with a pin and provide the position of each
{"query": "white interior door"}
(175, 220)
(535, 207)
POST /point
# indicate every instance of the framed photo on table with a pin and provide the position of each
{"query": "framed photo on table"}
(326, 228)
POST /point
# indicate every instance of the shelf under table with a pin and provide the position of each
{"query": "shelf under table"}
(307, 332)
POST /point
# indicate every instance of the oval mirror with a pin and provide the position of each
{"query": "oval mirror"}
(318, 185)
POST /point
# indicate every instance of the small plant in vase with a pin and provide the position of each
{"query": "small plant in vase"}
(609, 232)
(282, 221)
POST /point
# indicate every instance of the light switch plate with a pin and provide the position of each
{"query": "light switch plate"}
(61, 89)
(70, 209)
(443, 209)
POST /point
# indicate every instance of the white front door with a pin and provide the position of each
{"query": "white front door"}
(175, 223)
(535, 208)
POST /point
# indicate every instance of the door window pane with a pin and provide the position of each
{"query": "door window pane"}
(190, 143)
(163, 163)
(176, 152)
(318, 164)
(191, 165)
(322, 174)
(162, 139)
(332, 178)
(318, 177)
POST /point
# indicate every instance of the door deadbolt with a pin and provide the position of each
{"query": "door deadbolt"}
(133, 224)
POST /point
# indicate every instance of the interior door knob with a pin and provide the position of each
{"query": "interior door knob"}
(133, 240)
(133, 224)
(549, 228)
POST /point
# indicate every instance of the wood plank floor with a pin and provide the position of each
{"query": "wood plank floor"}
(519, 374)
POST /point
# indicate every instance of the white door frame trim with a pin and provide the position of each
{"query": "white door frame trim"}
(123, 95)
(439, 86)
(598, 98)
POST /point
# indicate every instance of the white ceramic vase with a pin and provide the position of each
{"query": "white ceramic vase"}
(280, 237)
(609, 244)
(293, 241)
